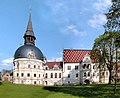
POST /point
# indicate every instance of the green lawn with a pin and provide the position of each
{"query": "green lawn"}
(8, 90)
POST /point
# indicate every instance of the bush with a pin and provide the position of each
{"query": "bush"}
(0, 82)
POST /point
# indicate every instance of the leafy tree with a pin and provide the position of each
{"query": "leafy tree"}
(105, 44)
(113, 17)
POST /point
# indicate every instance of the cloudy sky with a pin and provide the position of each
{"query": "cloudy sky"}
(57, 24)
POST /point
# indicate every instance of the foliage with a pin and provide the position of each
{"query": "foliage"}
(113, 17)
(8, 90)
(105, 49)
(0, 82)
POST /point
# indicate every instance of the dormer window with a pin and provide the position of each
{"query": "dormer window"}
(56, 67)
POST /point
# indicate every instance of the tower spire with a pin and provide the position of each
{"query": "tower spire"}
(29, 34)
(29, 26)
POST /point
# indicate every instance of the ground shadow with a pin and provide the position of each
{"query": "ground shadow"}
(87, 91)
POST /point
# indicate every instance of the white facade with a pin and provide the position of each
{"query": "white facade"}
(33, 71)
(28, 71)
(80, 73)
(71, 74)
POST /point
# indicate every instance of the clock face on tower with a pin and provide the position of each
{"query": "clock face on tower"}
(31, 55)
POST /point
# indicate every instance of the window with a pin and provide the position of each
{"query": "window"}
(94, 67)
(34, 82)
(38, 67)
(68, 81)
(93, 74)
(103, 73)
(59, 75)
(28, 66)
(68, 67)
(46, 68)
(76, 67)
(106, 73)
(28, 74)
(68, 75)
(88, 73)
(84, 66)
(22, 74)
(39, 75)
(55, 75)
(34, 75)
(34, 66)
(85, 74)
(51, 75)
(88, 66)
(46, 75)
(76, 75)
(17, 74)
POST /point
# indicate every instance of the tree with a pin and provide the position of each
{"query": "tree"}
(105, 44)
(113, 25)
(113, 17)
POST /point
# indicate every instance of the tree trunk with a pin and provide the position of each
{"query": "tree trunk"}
(110, 77)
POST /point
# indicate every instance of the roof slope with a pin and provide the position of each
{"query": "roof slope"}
(74, 55)
(51, 64)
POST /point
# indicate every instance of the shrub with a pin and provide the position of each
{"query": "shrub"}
(0, 82)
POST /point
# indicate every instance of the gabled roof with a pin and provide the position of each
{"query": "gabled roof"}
(51, 64)
(74, 55)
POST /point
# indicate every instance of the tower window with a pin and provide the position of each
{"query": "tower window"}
(28, 66)
(34, 75)
(34, 82)
(22, 74)
(28, 74)
(34, 66)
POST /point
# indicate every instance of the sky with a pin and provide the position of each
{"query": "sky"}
(57, 24)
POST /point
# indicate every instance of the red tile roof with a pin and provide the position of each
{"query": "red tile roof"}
(51, 64)
(74, 55)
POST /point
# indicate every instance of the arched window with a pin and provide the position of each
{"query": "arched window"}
(84, 66)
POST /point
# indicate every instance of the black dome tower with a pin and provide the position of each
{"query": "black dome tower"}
(29, 50)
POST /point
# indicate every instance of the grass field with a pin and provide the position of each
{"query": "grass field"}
(8, 90)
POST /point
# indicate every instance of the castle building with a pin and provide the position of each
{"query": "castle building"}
(29, 61)
(31, 67)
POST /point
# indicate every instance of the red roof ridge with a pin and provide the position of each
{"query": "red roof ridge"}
(79, 49)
